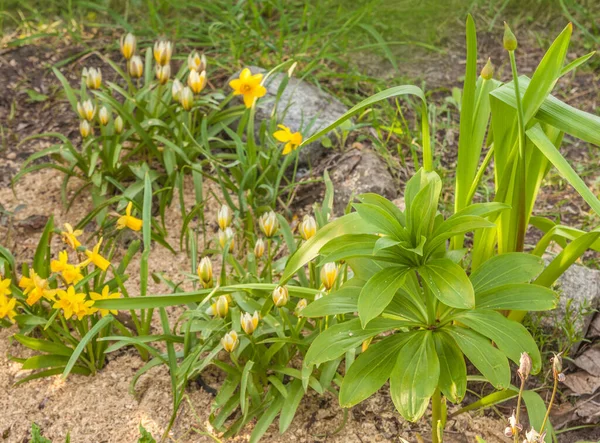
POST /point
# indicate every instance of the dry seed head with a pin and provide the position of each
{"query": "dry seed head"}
(224, 217)
(136, 66)
(84, 128)
(103, 116)
(329, 273)
(186, 98)
(230, 341)
(259, 248)
(119, 124)
(524, 366)
(509, 40)
(127, 44)
(163, 50)
(280, 296)
(249, 322)
(488, 70)
(93, 80)
(205, 272)
(163, 73)
(308, 227)
(268, 224)
(196, 62)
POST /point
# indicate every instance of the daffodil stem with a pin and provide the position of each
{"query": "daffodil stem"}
(518, 412)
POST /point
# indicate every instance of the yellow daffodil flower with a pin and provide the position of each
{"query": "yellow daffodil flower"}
(4, 287)
(35, 288)
(70, 273)
(129, 221)
(95, 257)
(7, 307)
(73, 303)
(69, 236)
(106, 295)
(249, 86)
(291, 139)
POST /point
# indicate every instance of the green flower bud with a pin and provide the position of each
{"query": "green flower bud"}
(509, 40)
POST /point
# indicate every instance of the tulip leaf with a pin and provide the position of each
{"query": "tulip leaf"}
(448, 282)
(490, 361)
(290, 406)
(379, 291)
(415, 376)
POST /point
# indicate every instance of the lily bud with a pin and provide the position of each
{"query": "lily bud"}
(196, 81)
(509, 40)
(186, 98)
(136, 66)
(224, 217)
(488, 70)
(205, 272)
(86, 110)
(128, 45)
(84, 128)
(308, 227)
(259, 248)
(329, 273)
(93, 79)
(300, 306)
(103, 116)
(226, 237)
(268, 224)
(163, 73)
(163, 50)
(280, 296)
(176, 90)
(230, 341)
(249, 322)
(196, 62)
(524, 366)
(222, 307)
(118, 124)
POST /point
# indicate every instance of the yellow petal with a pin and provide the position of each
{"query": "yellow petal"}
(248, 100)
(245, 74)
(260, 91)
(282, 136)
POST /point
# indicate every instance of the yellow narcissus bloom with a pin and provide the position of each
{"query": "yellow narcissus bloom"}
(205, 272)
(196, 62)
(7, 308)
(103, 116)
(129, 221)
(186, 98)
(226, 237)
(176, 90)
(163, 73)
(329, 273)
(291, 139)
(86, 110)
(249, 322)
(249, 86)
(35, 288)
(70, 273)
(230, 341)
(222, 306)
(69, 236)
(163, 50)
(4, 287)
(268, 224)
(308, 227)
(93, 79)
(196, 81)
(105, 295)
(136, 66)
(224, 217)
(118, 124)
(73, 303)
(280, 296)
(85, 128)
(95, 257)
(127, 44)
(259, 248)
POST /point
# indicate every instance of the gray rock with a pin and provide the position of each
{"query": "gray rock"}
(302, 107)
(358, 172)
